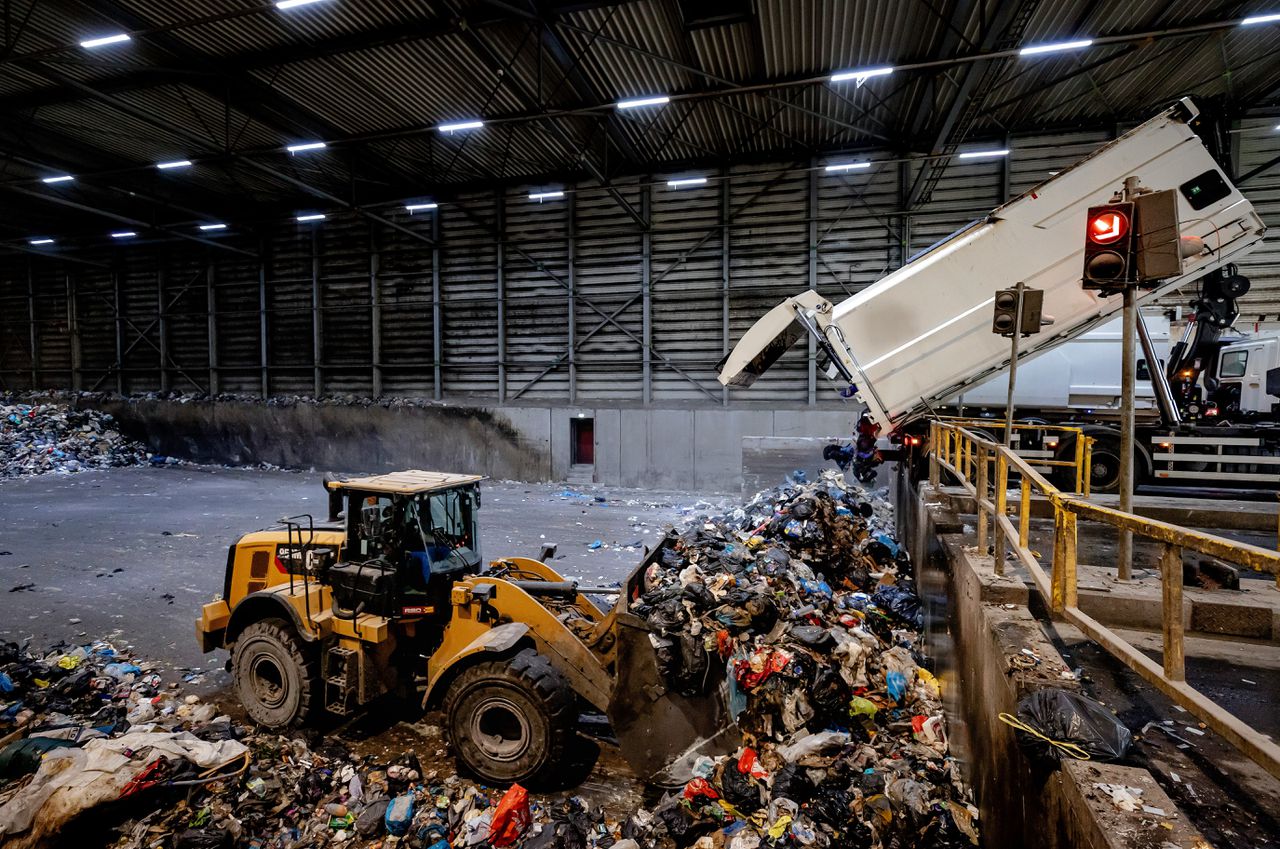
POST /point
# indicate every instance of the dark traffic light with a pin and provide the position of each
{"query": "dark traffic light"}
(1108, 247)
(1006, 312)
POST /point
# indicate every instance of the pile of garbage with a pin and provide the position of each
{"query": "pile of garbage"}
(49, 437)
(799, 602)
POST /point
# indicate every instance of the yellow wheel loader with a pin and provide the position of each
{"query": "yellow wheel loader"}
(329, 616)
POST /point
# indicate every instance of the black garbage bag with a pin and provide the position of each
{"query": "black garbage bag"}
(831, 804)
(829, 695)
(1068, 717)
(901, 602)
(202, 838)
(739, 789)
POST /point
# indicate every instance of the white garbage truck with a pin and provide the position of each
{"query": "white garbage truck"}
(922, 335)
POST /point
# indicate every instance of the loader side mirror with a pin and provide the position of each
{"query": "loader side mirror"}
(548, 551)
(337, 498)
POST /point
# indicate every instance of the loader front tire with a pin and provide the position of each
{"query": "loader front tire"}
(511, 721)
(276, 678)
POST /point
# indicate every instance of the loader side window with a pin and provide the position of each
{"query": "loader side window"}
(447, 515)
(1233, 364)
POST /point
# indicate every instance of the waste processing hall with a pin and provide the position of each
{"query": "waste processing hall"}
(639, 424)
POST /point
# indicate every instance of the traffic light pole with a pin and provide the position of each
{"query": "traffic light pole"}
(1013, 366)
(1128, 382)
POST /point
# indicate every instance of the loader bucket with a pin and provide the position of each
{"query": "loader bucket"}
(661, 732)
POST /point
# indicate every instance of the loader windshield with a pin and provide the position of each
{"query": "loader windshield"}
(446, 524)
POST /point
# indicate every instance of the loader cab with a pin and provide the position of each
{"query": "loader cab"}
(407, 537)
(427, 533)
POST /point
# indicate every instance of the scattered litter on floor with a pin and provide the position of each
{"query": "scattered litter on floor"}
(1122, 796)
(49, 437)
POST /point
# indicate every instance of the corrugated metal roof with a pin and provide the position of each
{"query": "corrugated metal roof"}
(381, 74)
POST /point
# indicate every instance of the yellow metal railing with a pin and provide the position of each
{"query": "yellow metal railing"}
(1080, 461)
(982, 468)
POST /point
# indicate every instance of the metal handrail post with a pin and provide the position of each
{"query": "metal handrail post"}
(1024, 513)
(935, 471)
(1002, 486)
(1171, 612)
(1079, 458)
(980, 495)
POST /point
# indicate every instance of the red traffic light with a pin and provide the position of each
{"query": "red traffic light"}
(1109, 227)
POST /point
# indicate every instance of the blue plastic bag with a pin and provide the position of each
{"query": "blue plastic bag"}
(399, 815)
(896, 683)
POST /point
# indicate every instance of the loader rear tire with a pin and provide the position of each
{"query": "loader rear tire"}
(511, 721)
(276, 678)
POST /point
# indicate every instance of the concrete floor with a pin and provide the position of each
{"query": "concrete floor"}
(131, 554)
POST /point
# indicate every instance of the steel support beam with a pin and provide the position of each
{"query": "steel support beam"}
(118, 309)
(211, 334)
(584, 90)
(646, 295)
(126, 219)
(1007, 15)
(725, 261)
(264, 352)
(563, 139)
(500, 212)
(73, 330)
(183, 133)
(571, 249)
(375, 316)
(33, 331)
(437, 315)
(317, 322)
(811, 213)
(162, 318)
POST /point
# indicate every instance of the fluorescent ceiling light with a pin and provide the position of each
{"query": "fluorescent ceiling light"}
(681, 182)
(208, 227)
(40, 242)
(848, 166)
(290, 4)
(104, 40)
(298, 148)
(984, 154)
(656, 100)
(861, 74)
(460, 125)
(123, 234)
(549, 195)
(419, 207)
(318, 216)
(1261, 19)
(177, 163)
(1038, 49)
(61, 178)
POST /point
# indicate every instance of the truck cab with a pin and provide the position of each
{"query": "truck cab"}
(1247, 373)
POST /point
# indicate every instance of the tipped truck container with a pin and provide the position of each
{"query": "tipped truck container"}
(923, 334)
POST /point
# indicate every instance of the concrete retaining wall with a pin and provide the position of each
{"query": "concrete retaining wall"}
(976, 638)
(699, 449)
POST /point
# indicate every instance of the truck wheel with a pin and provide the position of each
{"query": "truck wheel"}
(1104, 471)
(276, 678)
(511, 721)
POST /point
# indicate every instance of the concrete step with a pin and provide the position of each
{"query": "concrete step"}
(581, 473)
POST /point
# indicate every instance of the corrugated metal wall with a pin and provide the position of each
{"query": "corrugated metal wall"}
(499, 298)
